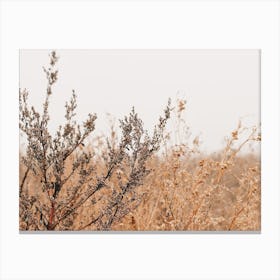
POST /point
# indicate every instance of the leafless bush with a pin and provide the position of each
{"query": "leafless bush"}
(65, 171)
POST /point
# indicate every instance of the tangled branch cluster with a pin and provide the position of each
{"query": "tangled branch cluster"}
(68, 177)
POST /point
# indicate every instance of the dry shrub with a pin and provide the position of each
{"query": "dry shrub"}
(62, 175)
(192, 191)
(77, 181)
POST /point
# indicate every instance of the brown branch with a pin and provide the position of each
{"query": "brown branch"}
(23, 180)
(80, 203)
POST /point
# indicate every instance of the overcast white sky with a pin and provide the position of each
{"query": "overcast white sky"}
(220, 86)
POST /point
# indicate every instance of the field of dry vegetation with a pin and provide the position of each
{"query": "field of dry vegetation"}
(130, 180)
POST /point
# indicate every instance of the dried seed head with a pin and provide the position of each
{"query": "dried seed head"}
(234, 135)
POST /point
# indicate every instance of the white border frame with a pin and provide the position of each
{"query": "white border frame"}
(140, 24)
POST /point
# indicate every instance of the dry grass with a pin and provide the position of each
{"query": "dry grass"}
(185, 190)
(134, 182)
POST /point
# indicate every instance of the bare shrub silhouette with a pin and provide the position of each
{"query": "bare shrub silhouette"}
(64, 173)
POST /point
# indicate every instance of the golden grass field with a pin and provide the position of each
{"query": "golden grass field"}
(185, 189)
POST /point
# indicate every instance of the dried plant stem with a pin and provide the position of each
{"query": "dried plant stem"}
(23, 180)
(233, 221)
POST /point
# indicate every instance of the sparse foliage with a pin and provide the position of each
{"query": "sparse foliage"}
(75, 180)
(47, 157)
